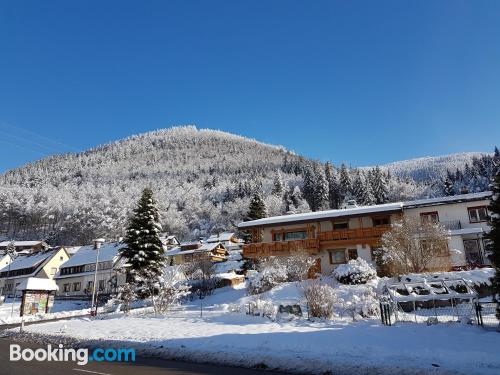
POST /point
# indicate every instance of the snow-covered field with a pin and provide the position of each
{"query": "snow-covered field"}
(59, 310)
(298, 345)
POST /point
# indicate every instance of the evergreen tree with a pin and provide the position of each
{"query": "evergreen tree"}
(309, 186)
(379, 186)
(333, 186)
(277, 185)
(448, 189)
(321, 201)
(494, 235)
(345, 187)
(144, 250)
(257, 208)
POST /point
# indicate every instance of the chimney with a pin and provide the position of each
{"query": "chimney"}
(98, 242)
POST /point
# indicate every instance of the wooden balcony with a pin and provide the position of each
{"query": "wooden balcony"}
(369, 236)
(280, 248)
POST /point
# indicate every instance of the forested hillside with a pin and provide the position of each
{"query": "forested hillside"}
(203, 180)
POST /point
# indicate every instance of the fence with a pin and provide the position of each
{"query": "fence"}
(433, 312)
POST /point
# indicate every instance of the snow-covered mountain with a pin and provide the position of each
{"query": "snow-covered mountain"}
(432, 167)
(203, 181)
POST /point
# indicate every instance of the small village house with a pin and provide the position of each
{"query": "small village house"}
(169, 242)
(25, 246)
(334, 237)
(40, 264)
(190, 251)
(76, 276)
(228, 239)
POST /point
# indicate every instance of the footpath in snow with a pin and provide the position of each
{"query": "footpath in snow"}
(301, 346)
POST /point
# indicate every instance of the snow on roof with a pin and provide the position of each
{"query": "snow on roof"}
(460, 232)
(72, 249)
(87, 254)
(356, 211)
(204, 247)
(312, 216)
(30, 260)
(21, 243)
(223, 237)
(450, 199)
(35, 283)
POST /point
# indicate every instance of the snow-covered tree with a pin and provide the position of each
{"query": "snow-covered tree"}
(494, 235)
(144, 250)
(257, 208)
(345, 183)
(333, 186)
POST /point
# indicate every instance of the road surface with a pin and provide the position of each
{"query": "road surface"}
(142, 366)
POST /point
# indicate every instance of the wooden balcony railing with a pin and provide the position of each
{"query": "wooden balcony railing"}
(361, 235)
(280, 248)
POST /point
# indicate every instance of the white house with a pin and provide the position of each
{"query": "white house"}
(334, 237)
(466, 218)
(76, 276)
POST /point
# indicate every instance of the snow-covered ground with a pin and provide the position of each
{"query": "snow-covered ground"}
(59, 310)
(298, 345)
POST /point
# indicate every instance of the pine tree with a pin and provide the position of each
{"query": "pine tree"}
(379, 186)
(144, 251)
(257, 208)
(333, 186)
(345, 183)
(448, 188)
(277, 185)
(309, 186)
(494, 235)
(321, 201)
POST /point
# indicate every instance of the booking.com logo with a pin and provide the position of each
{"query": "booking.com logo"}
(62, 354)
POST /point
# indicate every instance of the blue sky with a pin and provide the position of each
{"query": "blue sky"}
(362, 82)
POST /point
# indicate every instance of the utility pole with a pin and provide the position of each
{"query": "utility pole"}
(93, 310)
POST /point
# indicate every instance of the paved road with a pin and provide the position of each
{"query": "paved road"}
(142, 366)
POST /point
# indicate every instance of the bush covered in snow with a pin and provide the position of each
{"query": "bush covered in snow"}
(321, 299)
(262, 307)
(275, 270)
(356, 271)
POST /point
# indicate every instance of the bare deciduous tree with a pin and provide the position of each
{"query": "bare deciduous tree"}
(412, 246)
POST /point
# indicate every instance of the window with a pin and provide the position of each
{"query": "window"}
(67, 288)
(77, 287)
(277, 236)
(61, 258)
(340, 225)
(478, 214)
(352, 254)
(472, 251)
(381, 221)
(429, 217)
(337, 256)
(101, 285)
(301, 235)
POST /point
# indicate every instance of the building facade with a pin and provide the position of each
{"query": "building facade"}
(76, 276)
(334, 237)
(40, 264)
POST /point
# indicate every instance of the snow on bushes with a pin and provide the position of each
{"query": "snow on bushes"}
(356, 271)
(275, 270)
(320, 298)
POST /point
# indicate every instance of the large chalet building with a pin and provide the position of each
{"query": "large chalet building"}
(336, 236)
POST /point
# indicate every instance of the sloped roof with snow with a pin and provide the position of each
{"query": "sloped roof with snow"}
(363, 210)
(30, 260)
(448, 200)
(320, 215)
(223, 237)
(204, 247)
(87, 254)
(21, 243)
